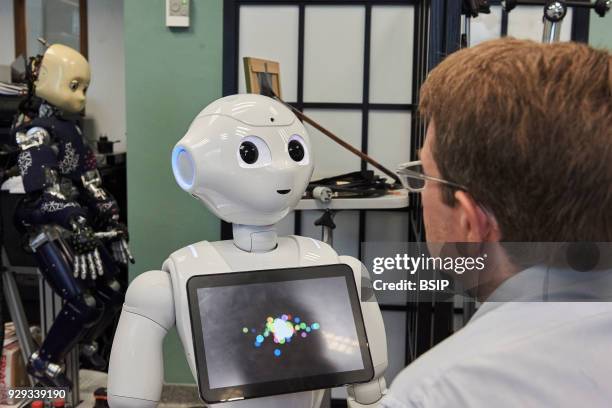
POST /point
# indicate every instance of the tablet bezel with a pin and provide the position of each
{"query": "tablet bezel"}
(256, 390)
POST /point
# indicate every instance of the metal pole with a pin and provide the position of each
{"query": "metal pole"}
(328, 235)
(554, 12)
(466, 29)
(22, 328)
(552, 32)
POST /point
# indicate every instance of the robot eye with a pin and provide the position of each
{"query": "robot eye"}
(74, 85)
(248, 152)
(253, 152)
(296, 150)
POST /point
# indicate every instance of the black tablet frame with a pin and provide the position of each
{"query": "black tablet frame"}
(255, 390)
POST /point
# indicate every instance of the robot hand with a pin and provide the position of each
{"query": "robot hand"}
(368, 394)
(119, 237)
(85, 244)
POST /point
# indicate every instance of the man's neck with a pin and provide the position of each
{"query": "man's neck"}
(498, 269)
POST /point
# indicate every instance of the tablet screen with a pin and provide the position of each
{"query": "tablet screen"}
(296, 328)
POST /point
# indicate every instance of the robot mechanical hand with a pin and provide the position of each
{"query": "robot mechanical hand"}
(121, 251)
(117, 235)
(85, 244)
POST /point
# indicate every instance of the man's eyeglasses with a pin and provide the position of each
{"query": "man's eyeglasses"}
(412, 177)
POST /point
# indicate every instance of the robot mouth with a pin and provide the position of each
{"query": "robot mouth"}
(283, 191)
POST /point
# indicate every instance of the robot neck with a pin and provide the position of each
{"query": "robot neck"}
(253, 238)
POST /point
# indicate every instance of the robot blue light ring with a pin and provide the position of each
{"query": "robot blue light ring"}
(183, 167)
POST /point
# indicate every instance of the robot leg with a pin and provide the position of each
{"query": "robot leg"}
(108, 293)
(78, 313)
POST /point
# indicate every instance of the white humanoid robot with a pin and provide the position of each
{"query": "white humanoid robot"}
(248, 159)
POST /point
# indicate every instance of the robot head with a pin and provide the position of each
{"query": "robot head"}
(246, 157)
(63, 78)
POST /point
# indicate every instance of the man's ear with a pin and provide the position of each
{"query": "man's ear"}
(476, 224)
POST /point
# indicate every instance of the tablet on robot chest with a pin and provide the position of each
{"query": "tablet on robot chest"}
(275, 331)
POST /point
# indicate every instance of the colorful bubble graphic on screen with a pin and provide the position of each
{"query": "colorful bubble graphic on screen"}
(281, 330)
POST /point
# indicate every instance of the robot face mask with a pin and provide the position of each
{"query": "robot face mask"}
(247, 158)
(63, 78)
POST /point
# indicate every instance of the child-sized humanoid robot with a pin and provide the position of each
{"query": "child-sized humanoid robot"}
(59, 176)
(248, 159)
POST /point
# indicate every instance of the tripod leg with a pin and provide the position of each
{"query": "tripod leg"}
(15, 306)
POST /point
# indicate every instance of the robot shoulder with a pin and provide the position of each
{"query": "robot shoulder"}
(150, 295)
(354, 263)
(309, 245)
(201, 257)
(32, 136)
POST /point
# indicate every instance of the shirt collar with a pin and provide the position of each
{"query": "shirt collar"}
(542, 283)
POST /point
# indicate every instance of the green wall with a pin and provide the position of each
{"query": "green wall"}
(171, 74)
(600, 31)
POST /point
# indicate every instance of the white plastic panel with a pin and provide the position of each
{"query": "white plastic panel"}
(395, 328)
(526, 22)
(389, 138)
(391, 54)
(333, 53)
(270, 32)
(486, 26)
(331, 159)
(346, 234)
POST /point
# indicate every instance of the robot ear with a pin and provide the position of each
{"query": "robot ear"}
(183, 167)
(41, 77)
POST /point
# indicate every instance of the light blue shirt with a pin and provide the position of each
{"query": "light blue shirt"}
(524, 353)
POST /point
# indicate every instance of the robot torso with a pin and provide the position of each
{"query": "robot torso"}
(205, 258)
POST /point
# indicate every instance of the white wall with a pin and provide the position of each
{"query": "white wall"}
(106, 94)
(7, 32)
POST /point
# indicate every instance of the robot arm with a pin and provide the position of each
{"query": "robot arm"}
(38, 166)
(369, 394)
(136, 370)
(46, 204)
(105, 209)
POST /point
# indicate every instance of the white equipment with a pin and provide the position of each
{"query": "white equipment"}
(248, 160)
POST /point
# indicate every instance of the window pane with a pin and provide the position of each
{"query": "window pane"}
(526, 22)
(486, 26)
(56, 21)
(390, 226)
(270, 32)
(330, 158)
(391, 54)
(333, 53)
(389, 138)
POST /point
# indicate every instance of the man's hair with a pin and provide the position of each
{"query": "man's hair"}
(527, 129)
